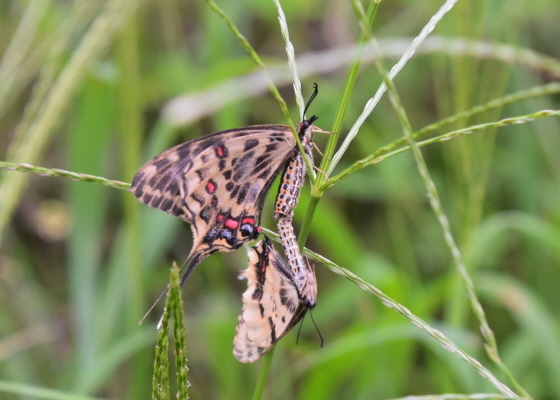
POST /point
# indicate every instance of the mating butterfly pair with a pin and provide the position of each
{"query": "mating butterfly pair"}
(218, 183)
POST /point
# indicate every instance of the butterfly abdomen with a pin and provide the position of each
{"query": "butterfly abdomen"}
(301, 273)
(290, 188)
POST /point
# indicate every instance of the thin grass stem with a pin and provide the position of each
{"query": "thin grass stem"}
(433, 196)
(50, 114)
(179, 333)
(370, 105)
(290, 52)
(257, 60)
(263, 375)
(399, 145)
(405, 312)
(401, 309)
(75, 176)
(458, 396)
(344, 103)
(37, 392)
(160, 380)
(18, 50)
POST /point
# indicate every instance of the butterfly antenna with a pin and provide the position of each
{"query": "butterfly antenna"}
(317, 328)
(153, 305)
(299, 330)
(315, 93)
(192, 263)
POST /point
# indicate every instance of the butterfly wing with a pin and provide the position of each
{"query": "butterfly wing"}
(217, 183)
(271, 304)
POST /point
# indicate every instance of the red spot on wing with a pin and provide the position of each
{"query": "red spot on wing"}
(211, 187)
(220, 217)
(220, 151)
(249, 220)
(231, 223)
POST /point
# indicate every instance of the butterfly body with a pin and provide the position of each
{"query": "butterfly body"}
(272, 303)
(298, 266)
(288, 195)
(294, 174)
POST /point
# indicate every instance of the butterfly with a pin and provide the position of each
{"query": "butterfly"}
(218, 183)
(272, 303)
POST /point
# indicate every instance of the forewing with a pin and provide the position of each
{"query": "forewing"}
(217, 183)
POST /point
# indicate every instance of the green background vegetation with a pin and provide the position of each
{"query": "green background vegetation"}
(101, 87)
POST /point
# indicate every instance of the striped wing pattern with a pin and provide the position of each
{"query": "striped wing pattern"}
(217, 183)
(272, 304)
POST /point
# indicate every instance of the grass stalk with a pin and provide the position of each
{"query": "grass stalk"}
(423, 325)
(398, 146)
(160, 381)
(263, 374)
(50, 114)
(179, 334)
(387, 301)
(433, 196)
(36, 392)
(257, 60)
(370, 105)
(290, 52)
(18, 50)
(56, 172)
(130, 133)
(174, 307)
(130, 129)
(333, 139)
(344, 103)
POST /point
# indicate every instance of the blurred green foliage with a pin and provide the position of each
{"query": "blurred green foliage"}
(101, 87)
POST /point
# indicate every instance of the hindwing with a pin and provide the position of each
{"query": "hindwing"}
(272, 304)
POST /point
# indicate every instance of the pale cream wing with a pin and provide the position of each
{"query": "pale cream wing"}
(271, 304)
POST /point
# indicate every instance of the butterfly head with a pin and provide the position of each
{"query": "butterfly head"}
(307, 123)
(306, 129)
(309, 303)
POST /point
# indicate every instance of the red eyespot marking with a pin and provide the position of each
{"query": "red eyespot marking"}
(211, 186)
(231, 223)
(220, 217)
(221, 151)
(249, 220)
